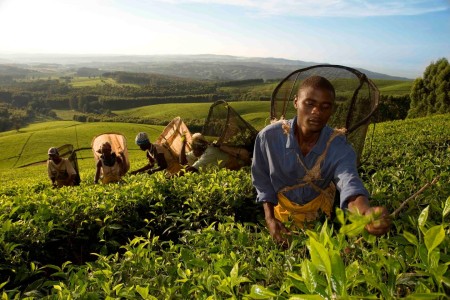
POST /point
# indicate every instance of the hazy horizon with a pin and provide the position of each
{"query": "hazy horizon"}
(399, 38)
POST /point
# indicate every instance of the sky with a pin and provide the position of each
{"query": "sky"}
(398, 37)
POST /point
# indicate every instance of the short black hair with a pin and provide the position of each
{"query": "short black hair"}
(318, 82)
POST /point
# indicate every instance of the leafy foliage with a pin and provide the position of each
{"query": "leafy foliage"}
(431, 94)
(392, 108)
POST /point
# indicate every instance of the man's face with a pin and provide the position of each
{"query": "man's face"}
(198, 151)
(54, 157)
(145, 147)
(314, 109)
(106, 150)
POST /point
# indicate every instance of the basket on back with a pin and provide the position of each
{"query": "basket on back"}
(232, 133)
(357, 99)
(68, 152)
(118, 144)
(172, 137)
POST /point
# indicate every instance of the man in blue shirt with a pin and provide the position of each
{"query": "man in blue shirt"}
(298, 164)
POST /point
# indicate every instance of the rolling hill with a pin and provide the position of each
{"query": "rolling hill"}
(209, 67)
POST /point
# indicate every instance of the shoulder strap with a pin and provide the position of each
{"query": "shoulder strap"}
(313, 174)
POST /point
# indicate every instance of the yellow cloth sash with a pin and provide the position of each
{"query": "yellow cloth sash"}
(111, 174)
(111, 178)
(287, 210)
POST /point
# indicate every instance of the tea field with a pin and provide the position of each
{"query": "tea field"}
(255, 112)
(29, 145)
(200, 236)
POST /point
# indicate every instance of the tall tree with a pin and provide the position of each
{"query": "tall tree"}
(431, 94)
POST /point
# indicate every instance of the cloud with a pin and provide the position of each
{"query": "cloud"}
(332, 8)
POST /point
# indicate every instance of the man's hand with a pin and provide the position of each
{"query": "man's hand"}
(381, 220)
(278, 231)
(276, 228)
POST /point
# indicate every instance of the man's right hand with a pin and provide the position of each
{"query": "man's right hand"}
(278, 231)
(275, 226)
(381, 220)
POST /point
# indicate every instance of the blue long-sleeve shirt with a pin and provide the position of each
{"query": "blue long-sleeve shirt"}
(275, 165)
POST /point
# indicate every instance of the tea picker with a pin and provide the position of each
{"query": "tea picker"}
(310, 152)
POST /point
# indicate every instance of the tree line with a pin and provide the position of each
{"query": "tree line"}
(431, 94)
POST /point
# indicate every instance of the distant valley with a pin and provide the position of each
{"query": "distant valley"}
(201, 67)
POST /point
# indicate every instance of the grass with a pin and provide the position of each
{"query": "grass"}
(168, 111)
(394, 87)
(93, 81)
(262, 89)
(399, 89)
(64, 114)
(193, 110)
(256, 113)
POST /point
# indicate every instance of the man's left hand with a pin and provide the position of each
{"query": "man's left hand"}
(381, 220)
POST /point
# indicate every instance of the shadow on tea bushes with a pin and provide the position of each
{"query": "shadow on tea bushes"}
(52, 226)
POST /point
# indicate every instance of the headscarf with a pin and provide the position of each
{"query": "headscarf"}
(142, 139)
(199, 141)
(53, 151)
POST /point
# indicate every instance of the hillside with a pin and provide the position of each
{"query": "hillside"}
(211, 67)
(30, 144)
(255, 112)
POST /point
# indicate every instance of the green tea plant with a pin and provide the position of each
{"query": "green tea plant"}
(201, 236)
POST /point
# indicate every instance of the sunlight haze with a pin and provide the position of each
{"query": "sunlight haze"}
(394, 37)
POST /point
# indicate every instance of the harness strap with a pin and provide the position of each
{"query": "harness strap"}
(313, 174)
(58, 168)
